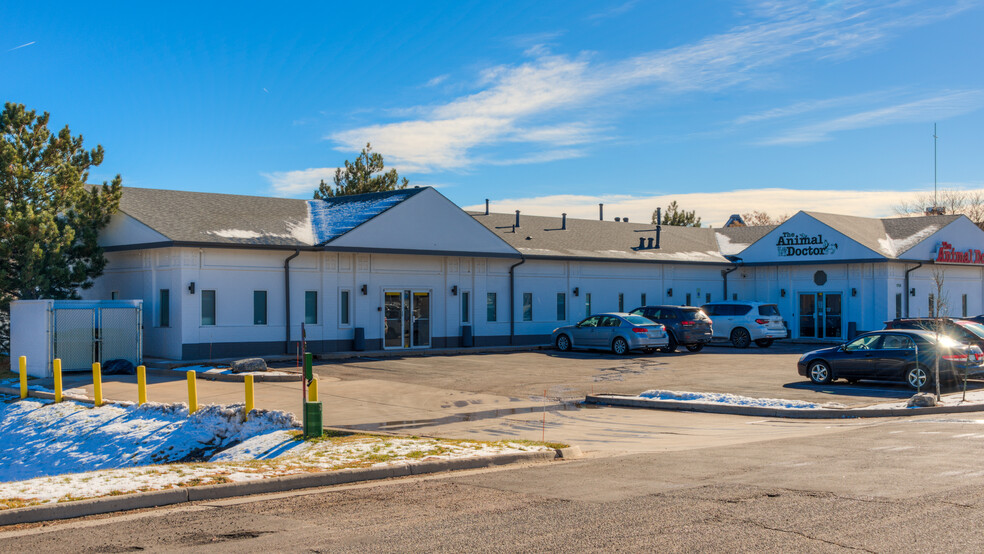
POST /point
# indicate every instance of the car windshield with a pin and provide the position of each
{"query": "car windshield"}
(975, 328)
(637, 320)
(768, 309)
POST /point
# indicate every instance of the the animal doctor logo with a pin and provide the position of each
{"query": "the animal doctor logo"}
(792, 244)
(947, 254)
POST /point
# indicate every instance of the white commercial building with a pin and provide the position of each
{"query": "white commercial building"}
(409, 269)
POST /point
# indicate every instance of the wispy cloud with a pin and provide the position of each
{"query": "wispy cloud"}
(301, 181)
(941, 106)
(437, 80)
(552, 92)
(614, 11)
(813, 105)
(25, 45)
(713, 208)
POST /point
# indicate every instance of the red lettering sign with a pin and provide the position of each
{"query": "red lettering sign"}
(947, 254)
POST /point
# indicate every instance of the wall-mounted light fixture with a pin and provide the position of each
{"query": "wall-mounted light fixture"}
(365, 290)
(576, 291)
(854, 292)
(191, 287)
(454, 290)
(669, 292)
(912, 291)
(782, 293)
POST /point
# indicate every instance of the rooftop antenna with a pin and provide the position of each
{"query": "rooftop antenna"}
(936, 202)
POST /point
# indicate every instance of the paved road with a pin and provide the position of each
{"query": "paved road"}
(893, 485)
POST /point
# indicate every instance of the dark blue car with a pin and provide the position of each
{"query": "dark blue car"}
(891, 355)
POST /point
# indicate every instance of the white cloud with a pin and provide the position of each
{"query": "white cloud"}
(437, 80)
(713, 208)
(554, 92)
(615, 11)
(301, 181)
(21, 46)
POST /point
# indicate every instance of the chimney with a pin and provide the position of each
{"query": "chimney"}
(486, 206)
(659, 218)
(659, 226)
(642, 242)
(601, 212)
(658, 230)
(517, 218)
(563, 221)
(650, 242)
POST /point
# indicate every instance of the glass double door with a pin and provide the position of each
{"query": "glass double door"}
(820, 315)
(406, 319)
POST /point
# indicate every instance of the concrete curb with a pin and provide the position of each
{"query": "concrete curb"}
(80, 508)
(228, 377)
(821, 413)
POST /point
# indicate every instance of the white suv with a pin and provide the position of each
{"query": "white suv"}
(744, 322)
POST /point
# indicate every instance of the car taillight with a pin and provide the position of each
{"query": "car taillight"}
(761, 321)
(642, 330)
(956, 357)
(687, 323)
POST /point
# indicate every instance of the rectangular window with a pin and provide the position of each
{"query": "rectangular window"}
(208, 307)
(561, 306)
(688, 300)
(343, 308)
(115, 295)
(490, 307)
(164, 305)
(259, 307)
(311, 307)
(707, 297)
(898, 305)
(643, 298)
(963, 305)
(527, 306)
(621, 302)
(587, 304)
(932, 301)
(465, 307)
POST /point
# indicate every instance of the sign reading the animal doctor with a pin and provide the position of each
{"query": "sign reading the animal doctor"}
(802, 244)
(947, 254)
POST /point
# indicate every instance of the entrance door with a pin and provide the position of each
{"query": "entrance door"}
(820, 315)
(406, 319)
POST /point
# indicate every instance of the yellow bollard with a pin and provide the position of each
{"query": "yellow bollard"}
(97, 384)
(141, 385)
(249, 395)
(23, 376)
(192, 393)
(313, 391)
(56, 366)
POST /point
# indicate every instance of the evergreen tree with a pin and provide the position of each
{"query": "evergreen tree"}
(673, 215)
(49, 217)
(360, 178)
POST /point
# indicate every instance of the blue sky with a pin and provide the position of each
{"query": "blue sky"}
(545, 107)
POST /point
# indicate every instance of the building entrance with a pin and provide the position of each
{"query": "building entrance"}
(406, 319)
(820, 315)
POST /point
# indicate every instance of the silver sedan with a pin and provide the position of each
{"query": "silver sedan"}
(620, 332)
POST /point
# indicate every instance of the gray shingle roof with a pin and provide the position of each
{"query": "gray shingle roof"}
(732, 240)
(888, 237)
(540, 236)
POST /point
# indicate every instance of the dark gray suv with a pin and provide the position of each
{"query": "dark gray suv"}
(685, 325)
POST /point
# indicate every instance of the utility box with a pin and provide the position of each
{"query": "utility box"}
(313, 426)
(79, 332)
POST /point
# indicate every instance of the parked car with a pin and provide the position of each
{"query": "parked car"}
(621, 332)
(906, 355)
(961, 330)
(744, 322)
(684, 325)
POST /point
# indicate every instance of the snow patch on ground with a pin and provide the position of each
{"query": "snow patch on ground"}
(729, 399)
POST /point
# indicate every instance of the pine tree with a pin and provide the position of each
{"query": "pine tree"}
(49, 217)
(360, 178)
(680, 218)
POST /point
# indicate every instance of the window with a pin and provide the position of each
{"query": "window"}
(896, 342)
(465, 307)
(898, 305)
(115, 295)
(768, 310)
(527, 306)
(863, 343)
(259, 307)
(707, 297)
(643, 298)
(587, 304)
(687, 303)
(490, 307)
(164, 307)
(344, 317)
(621, 302)
(311, 307)
(561, 306)
(208, 307)
(963, 305)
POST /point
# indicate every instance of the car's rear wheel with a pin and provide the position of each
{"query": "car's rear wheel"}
(764, 343)
(740, 338)
(620, 346)
(696, 347)
(563, 343)
(917, 377)
(671, 346)
(819, 372)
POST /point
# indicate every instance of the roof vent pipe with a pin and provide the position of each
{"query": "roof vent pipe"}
(563, 221)
(617, 219)
(642, 242)
(601, 212)
(625, 220)
(486, 206)
(517, 218)
(650, 245)
(659, 227)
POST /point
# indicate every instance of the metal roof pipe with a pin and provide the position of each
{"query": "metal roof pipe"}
(650, 242)
(907, 272)
(563, 221)
(642, 242)
(486, 206)
(296, 253)
(601, 212)
(517, 218)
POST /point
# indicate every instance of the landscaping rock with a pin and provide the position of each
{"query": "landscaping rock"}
(921, 400)
(248, 365)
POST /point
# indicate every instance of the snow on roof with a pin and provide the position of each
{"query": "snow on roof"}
(893, 247)
(727, 247)
(333, 217)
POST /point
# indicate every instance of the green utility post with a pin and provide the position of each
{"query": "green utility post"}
(312, 410)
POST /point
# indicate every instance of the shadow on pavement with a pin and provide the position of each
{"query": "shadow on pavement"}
(874, 389)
